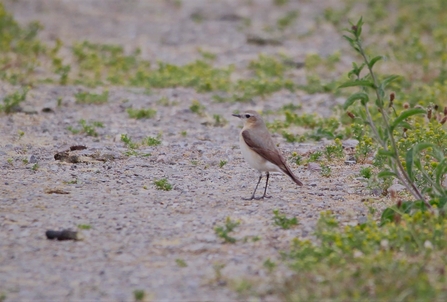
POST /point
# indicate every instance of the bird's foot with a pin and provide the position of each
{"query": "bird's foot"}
(251, 198)
(262, 197)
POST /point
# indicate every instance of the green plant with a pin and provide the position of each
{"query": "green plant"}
(35, 167)
(366, 172)
(139, 294)
(129, 143)
(219, 121)
(197, 108)
(153, 141)
(141, 113)
(222, 163)
(87, 128)
(286, 21)
(325, 171)
(334, 151)
(228, 227)
(297, 159)
(315, 156)
(282, 221)
(84, 226)
(348, 261)
(92, 98)
(11, 101)
(163, 184)
(269, 265)
(181, 263)
(384, 129)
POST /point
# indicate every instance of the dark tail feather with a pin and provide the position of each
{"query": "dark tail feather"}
(291, 175)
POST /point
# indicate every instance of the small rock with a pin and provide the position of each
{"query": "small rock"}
(350, 143)
(32, 159)
(313, 167)
(162, 158)
(362, 219)
(28, 110)
(396, 188)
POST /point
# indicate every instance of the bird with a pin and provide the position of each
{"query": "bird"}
(259, 150)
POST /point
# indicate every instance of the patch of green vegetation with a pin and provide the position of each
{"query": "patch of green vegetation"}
(181, 263)
(326, 171)
(163, 184)
(92, 98)
(366, 172)
(321, 127)
(84, 226)
(348, 261)
(280, 2)
(219, 121)
(141, 113)
(282, 221)
(334, 151)
(269, 265)
(35, 167)
(288, 19)
(153, 141)
(12, 101)
(197, 108)
(315, 156)
(139, 294)
(87, 128)
(228, 227)
(222, 163)
(128, 142)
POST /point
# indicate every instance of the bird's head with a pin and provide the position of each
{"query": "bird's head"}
(250, 117)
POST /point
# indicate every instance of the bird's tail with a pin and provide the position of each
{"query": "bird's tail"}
(291, 175)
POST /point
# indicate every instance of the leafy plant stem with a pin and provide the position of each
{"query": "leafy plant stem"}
(396, 164)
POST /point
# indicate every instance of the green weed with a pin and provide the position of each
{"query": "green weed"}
(84, 226)
(181, 263)
(153, 141)
(139, 294)
(228, 227)
(128, 141)
(282, 221)
(92, 98)
(197, 108)
(141, 113)
(326, 171)
(162, 184)
(12, 101)
(88, 128)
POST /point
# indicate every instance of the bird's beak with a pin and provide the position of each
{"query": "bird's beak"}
(237, 115)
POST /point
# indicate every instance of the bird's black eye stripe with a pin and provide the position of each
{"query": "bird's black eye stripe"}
(247, 115)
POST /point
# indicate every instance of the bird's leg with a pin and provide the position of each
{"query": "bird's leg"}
(266, 185)
(253, 195)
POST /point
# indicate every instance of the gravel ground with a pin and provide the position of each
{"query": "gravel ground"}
(137, 231)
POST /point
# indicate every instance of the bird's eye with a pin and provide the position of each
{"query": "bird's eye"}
(247, 115)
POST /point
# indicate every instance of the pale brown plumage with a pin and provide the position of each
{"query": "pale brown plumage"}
(260, 151)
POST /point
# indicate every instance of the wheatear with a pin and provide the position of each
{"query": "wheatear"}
(260, 151)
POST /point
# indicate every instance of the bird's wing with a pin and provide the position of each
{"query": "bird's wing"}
(265, 147)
